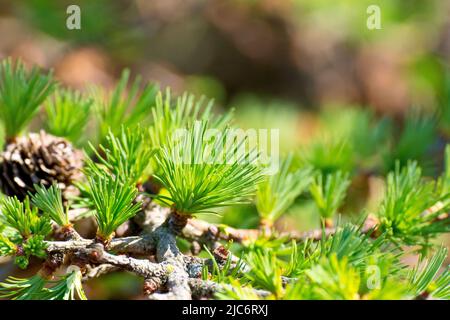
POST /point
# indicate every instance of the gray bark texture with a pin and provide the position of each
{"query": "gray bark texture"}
(154, 255)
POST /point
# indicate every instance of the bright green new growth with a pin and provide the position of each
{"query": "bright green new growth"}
(221, 273)
(417, 136)
(360, 132)
(299, 259)
(28, 229)
(21, 94)
(334, 279)
(113, 202)
(50, 202)
(277, 193)
(329, 155)
(422, 276)
(329, 192)
(201, 173)
(20, 216)
(7, 247)
(168, 117)
(345, 265)
(349, 242)
(22, 289)
(265, 271)
(440, 287)
(67, 114)
(237, 292)
(127, 155)
(125, 106)
(68, 287)
(411, 206)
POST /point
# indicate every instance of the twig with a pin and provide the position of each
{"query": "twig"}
(205, 232)
(135, 244)
(88, 251)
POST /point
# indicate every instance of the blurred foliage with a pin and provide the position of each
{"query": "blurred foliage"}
(49, 16)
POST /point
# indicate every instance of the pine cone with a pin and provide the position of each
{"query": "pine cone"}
(39, 158)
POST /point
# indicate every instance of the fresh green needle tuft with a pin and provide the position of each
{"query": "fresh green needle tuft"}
(169, 116)
(418, 134)
(67, 114)
(127, 155)
(421, 277)
(67, 287)
(410, 209)
(22, 289)
(265, 272)
(113, 202)
(277, 193)
(124, 107)
(20, 216)
(21, 94)
(333, 279)
(201, 174)
(329, 155)
(50, 202)
(329, 192)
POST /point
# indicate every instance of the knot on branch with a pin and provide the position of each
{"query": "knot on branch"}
(151, 285)
(53, 262)
(93, 253)
(221, 254)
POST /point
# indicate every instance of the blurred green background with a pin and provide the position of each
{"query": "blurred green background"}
(344, 97)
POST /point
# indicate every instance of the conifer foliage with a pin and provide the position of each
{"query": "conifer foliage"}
(155, 165)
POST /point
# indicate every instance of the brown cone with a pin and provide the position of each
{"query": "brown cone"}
(39, 158)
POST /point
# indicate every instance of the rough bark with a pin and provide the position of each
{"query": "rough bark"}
(167, 272)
